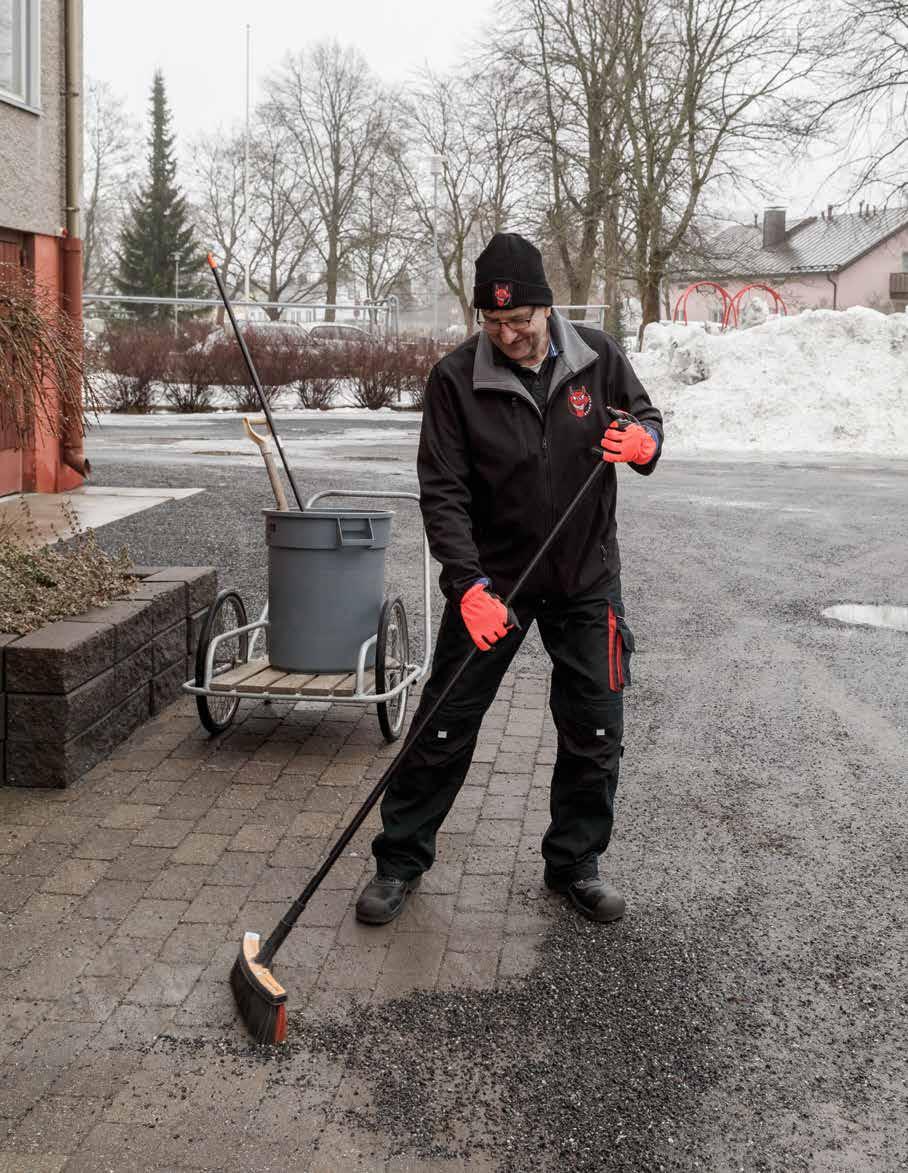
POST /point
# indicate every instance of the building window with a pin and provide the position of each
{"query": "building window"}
(905, 262)
(19, 51)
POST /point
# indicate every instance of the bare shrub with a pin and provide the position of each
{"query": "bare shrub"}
(135, 357)
(317, 381)
(40, 585)
(276, 359)
(41, 359)
(416, 359)
(190, 374)
(374, 368)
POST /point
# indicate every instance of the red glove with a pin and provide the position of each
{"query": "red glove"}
(633, 443)
(485, 616)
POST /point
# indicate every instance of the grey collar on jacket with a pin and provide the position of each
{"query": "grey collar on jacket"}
(573, 356)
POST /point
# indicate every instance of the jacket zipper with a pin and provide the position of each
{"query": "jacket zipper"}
(547, 464)
(524, 395)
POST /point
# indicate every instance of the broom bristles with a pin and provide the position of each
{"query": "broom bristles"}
(260, 998)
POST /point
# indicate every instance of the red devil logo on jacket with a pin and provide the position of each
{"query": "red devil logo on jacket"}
(579, 402)
(501, 291)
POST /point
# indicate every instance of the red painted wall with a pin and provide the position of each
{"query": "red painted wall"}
(40, 465)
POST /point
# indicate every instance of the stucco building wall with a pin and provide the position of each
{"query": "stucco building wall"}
(31, 144)
(866, 282)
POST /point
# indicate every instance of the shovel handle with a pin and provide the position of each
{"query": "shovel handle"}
(256, 437)
(264, 446)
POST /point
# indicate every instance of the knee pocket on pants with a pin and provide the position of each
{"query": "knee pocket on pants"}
(447, 735)
(597, 740)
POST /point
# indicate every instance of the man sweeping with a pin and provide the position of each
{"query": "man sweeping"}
(510, 422)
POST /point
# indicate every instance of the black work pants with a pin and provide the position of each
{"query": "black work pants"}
(589, 644)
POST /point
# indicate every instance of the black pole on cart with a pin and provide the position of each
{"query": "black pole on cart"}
(253, 375)
(260, 998)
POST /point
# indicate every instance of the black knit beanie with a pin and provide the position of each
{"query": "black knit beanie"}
(509, 273)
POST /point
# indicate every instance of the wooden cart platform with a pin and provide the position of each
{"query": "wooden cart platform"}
(259, 677)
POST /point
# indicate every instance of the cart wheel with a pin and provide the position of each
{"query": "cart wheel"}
(226, 613)
(392, 652)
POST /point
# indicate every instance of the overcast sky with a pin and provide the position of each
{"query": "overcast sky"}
(201, 47)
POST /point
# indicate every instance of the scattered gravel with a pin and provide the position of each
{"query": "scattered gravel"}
(598, 1060)
(750, 1014)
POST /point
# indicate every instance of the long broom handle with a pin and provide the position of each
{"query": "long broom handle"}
(292, 915)
(253, 375)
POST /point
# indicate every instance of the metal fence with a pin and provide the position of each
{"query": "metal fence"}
(381, 318)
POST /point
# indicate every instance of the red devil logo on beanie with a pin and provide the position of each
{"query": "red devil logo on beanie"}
(501, 291)
(579, 402)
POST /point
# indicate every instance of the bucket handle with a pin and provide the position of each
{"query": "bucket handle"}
(347, 540)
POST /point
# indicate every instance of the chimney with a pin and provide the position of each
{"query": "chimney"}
(773, 226)
(861, 208)
(829, 211)
(756, 221)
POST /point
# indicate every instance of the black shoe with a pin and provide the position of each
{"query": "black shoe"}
(383, 898)
(593, 898)
(596, 900)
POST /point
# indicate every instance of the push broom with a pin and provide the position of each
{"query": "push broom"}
(260, 998)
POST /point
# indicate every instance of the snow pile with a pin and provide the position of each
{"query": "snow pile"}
(819, 381)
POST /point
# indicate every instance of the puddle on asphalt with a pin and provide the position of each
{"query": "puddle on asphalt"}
(869, 615)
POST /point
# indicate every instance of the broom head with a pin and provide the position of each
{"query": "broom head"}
(260, 998)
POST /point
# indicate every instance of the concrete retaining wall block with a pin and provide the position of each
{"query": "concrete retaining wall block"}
(72, 691)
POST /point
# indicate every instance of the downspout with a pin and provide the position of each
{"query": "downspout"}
(72, 445)
(835, 292)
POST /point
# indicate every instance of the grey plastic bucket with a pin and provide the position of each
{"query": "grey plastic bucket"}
(326, 585)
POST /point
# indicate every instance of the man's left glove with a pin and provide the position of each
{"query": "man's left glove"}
(634, 444)
(484, 615)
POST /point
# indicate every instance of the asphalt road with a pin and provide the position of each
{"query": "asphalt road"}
(762, 809)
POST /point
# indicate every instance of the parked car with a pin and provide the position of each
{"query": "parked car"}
(318, 333)
(337, 334)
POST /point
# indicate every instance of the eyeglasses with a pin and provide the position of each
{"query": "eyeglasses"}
(493, 325)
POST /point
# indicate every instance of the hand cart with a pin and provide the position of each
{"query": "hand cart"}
(229, 667)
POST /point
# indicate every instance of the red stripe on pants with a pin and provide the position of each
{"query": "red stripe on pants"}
(612, 643)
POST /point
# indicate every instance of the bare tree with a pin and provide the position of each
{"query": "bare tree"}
(473, 127)
(329, 104)
(217, 194)
(711, 83)
(284, 228)
(869, 85)
(388, 239)
(434, 118)
(110, 152)
(574, 76)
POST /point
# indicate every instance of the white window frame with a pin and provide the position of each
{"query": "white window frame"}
(29, 48)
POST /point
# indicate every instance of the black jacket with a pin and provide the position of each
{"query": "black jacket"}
(495, 473)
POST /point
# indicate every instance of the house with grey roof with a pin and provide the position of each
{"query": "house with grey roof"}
(831, 261)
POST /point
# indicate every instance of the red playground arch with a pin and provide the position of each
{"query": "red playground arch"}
(729, 309)
(778, 304)
(730, 303)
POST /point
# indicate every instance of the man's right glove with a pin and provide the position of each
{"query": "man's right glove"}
(484, 614)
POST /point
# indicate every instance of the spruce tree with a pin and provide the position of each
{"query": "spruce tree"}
(158, 234)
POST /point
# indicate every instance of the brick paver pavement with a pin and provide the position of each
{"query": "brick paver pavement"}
(125, 899)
